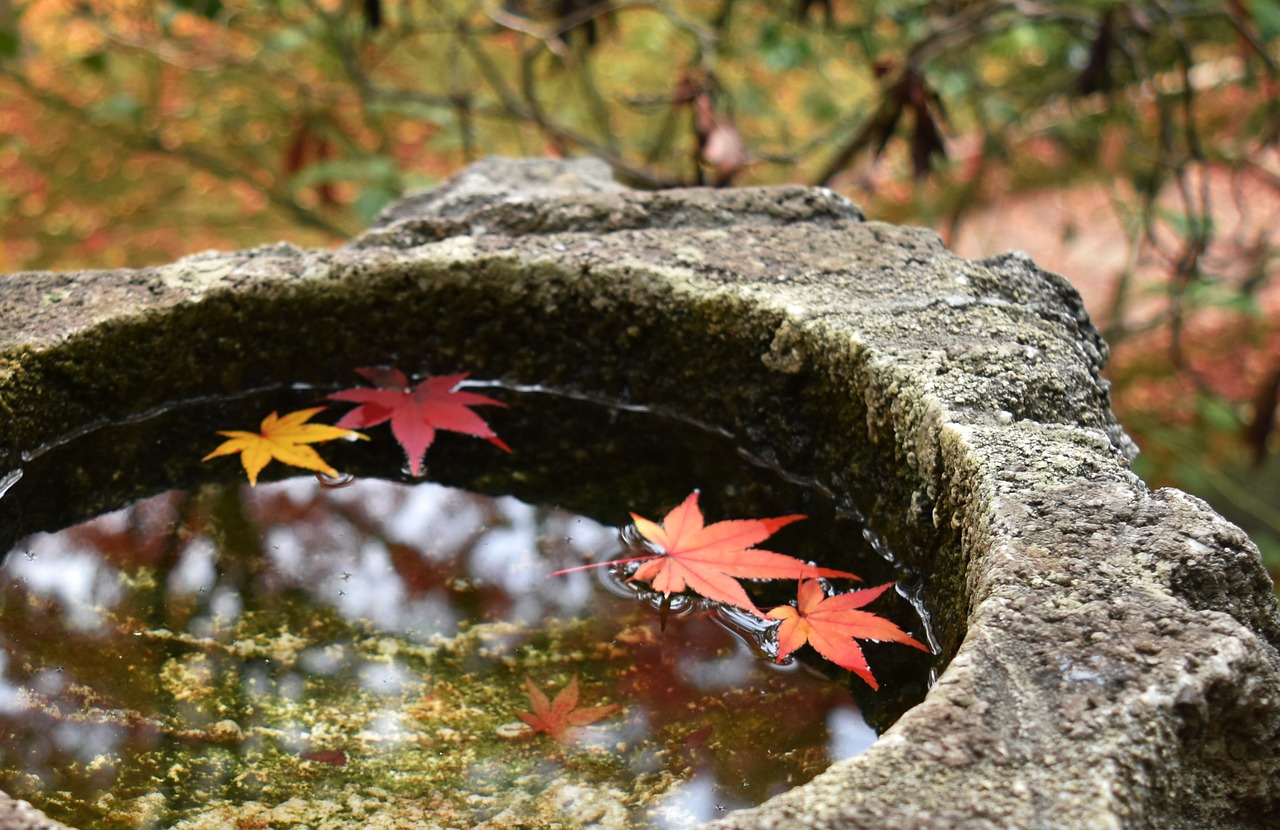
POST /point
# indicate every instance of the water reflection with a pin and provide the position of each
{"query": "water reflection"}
(201, 658)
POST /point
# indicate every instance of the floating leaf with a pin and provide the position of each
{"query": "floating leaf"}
(831, 624)
(710, 559)
(416, 413)
(284, 439)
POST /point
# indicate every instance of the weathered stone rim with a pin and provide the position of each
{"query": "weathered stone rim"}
(967, 393)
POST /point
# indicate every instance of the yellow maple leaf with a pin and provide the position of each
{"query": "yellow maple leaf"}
(285, 439)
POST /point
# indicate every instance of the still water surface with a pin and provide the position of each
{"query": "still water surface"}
(299, 653)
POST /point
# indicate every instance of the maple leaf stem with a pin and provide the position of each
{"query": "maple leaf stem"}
(602, 564)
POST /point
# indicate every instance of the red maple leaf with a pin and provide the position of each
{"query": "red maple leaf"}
(416, 412)
(830, 624)
(709, 559)
(560, 718)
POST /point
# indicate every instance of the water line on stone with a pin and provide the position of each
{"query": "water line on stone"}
(609, 403)
(84, 430)
(9, 479)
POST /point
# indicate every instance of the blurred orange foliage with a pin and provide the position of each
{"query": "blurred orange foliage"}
(1131, 146)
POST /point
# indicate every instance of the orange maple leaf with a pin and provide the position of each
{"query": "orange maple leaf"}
(830, 624)
(285, 439)
(710, 559)
(561, 717)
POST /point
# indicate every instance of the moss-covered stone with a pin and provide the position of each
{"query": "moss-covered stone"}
(1110, 653)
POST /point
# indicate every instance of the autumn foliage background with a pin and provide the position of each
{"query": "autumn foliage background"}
(1132, 146)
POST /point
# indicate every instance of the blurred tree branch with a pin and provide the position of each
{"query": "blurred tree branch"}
(308, 116)
(146, 142)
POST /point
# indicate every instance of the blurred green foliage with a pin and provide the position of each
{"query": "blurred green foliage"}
(134, 132)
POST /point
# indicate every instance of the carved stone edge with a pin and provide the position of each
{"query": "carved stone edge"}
(1119, 664)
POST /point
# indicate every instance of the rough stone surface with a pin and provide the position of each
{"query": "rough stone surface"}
(1110, 652)
(19, 815)
(501, 181)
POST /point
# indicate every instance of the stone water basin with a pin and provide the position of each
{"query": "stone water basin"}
(1107, 655)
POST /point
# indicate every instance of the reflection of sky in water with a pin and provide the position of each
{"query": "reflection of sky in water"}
(85, 740)
(689, 803)
(397, 558)
(702, 798)
(503, 549)
(384, 678)
(11, 698)
(197, 569)
(849, 733)
(79, 580)
(729, 670)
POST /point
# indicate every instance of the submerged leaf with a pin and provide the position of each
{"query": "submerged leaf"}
(831, 624)
(285, 439)
(560, 718)
(416, 413)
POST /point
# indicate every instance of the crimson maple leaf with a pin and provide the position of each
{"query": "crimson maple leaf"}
(709, 559)
(560, 718)
(830, 624)
(416, 412)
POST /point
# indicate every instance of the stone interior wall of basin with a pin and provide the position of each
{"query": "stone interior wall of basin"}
(1110, 653)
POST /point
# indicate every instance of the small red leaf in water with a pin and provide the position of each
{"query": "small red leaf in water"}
(416, 412)
(696, 751)
(561, 717)
(831, 624)
(332, 757)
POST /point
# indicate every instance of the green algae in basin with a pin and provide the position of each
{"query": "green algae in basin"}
(300, 654)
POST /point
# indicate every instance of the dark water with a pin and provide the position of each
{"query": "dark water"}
(307, 654)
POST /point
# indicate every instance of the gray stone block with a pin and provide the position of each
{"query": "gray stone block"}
(1108, 654)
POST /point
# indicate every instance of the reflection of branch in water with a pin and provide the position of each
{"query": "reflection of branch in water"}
(282, 649)
(96, 708)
